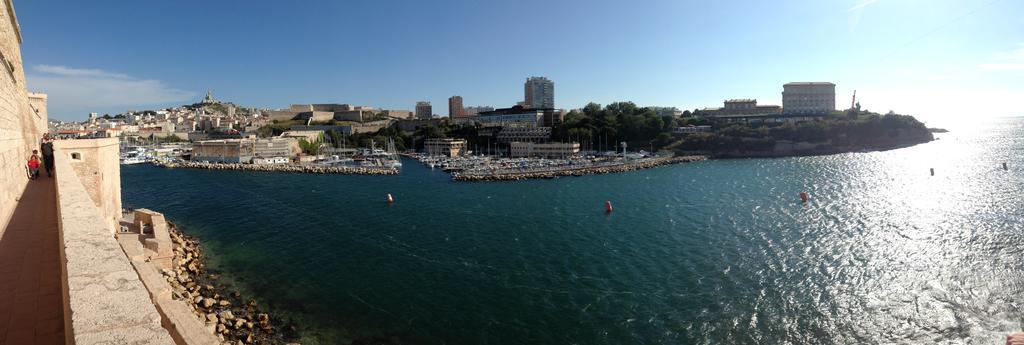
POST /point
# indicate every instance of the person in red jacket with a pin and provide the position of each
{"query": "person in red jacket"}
(33, 165)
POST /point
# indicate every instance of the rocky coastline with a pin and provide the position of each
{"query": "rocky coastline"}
(549, 174)
(821, 150)
(225, 312)
(282, 168)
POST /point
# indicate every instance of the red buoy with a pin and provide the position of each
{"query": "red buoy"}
(804, 197)
(607, 206)
(390, 199)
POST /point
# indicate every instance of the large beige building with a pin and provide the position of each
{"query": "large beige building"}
(275, 147)
(808, 98)
(445, 147)
(223, 151)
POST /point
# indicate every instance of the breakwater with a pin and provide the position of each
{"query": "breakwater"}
(575, 171)
(311, 169)
(224, 311)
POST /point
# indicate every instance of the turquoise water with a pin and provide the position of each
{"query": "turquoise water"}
(712, 252)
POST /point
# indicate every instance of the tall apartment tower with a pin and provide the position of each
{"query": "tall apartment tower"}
(424, 111)
(455, 109)
(540, 93)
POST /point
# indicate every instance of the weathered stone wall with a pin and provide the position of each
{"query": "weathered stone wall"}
(20, 127)
(105, 301)
(96, 164)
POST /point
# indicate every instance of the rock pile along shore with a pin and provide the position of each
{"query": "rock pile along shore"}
(547, 174)
(223, 311)
(283, 168)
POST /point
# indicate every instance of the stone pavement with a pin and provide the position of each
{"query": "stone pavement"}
(31, 309)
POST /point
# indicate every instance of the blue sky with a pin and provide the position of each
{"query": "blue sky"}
(935, 59)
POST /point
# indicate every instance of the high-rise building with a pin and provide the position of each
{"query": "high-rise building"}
(455, 109)
(424, 110)
(540, 93)
(808, 98)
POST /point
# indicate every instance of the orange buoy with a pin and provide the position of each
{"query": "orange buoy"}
(390, 199)
(607, 206)
(804, 196)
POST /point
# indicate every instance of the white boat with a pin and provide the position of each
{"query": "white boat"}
(334, 160)
(134, 160)
(135, 156)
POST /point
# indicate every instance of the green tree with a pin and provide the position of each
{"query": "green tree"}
(311, 148)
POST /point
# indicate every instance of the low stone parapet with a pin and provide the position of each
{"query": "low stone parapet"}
(105, 301)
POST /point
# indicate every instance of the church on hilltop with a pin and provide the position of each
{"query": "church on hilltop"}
(209, 98)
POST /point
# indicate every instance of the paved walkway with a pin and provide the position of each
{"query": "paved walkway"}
(31, 310)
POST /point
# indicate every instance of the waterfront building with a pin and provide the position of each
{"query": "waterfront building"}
(809, 98)
(424, 111)
(474, 110)
(740, 107)
(521, 116)
(455, 109)
(223, 151)
(539, 93)
(444, 147)
(275, 147)
(544, 150)
(510, 134)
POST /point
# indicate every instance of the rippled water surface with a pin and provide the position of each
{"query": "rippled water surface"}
(712, 252)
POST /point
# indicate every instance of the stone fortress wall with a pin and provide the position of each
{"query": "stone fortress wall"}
(21, 126)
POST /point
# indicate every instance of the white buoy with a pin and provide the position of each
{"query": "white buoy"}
(390, 199)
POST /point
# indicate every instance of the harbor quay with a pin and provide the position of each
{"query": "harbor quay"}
(314, 169)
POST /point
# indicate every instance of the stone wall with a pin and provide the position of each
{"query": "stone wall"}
(20, 126)
(96, 164)
(105, 301)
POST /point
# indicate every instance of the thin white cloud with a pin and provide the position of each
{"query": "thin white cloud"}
(77, 72)
(73, 92)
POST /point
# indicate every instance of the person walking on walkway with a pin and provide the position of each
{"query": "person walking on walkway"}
(33, 165)
(47, 149)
